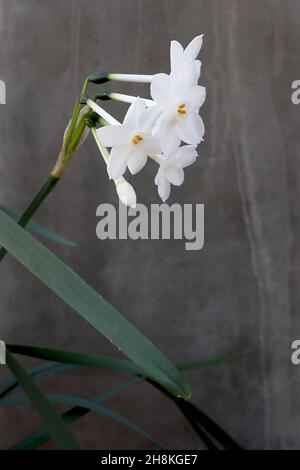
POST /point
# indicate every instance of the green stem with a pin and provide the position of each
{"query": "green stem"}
(77, 134)
(71, 141)
(74, 118)
(47, 187)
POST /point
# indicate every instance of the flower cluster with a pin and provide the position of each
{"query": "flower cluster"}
(157, 128)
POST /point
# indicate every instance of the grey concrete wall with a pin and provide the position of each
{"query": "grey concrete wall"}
(240, 294)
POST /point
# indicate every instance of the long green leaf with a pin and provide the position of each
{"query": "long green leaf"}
(41, 436)
(55, 425)
(201, 422)
(204, 435)
(117, 365)
(214, 430)
(89, 360)
(209, 362)
(90, 305)
(11, 384)
(90, 405)
(39, 229)
(66, 361)
(104, 362)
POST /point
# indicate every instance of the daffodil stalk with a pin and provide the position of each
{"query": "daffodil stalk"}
(128, 77)
(110, 95)
(74, 136)
(102, 77)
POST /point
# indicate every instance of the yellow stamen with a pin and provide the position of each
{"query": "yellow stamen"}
(137, 139)
(181, 109)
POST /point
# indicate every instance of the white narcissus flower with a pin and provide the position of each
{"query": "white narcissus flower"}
(179, 100)
(171, 169)
(180, 57)
(132, 141)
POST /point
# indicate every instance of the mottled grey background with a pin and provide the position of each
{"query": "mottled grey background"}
(240, 294)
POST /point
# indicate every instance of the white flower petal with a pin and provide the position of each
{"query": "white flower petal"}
(169, 139)
(184, 80)
(160, 173)
(111, 136)
(196, 97)
(197, 71)
(149, 118)
(186, 156)
(160, 88)
(117, 161)
(175, 175)
(164, 189)
(136, 159)
(135, 113)
(176, 54)
(194, 47)
(191, 128)
(153, 145)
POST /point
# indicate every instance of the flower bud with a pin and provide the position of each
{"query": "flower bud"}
(125, 192)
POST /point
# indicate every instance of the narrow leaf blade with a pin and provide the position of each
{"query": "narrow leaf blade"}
(41, 436)
(90, 405)
(39, 229)
(75, 292)
(79, 359)
(57, 428)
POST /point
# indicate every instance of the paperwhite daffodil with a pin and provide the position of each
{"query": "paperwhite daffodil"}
(180, 103)
(132, 141)
(180, 57)
(171, 169)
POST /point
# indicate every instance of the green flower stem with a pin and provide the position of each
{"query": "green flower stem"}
(103, 150)
(74, 118)
(70, 145)
(45, 190)
(77, 135)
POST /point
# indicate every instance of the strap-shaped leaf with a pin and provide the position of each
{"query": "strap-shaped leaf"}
(210, 432)
(75, 292)
(39, 229)
(105, 362)
(79, 359)
(9, 385)
(52, 420)
(90, 405)
(41, 436)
